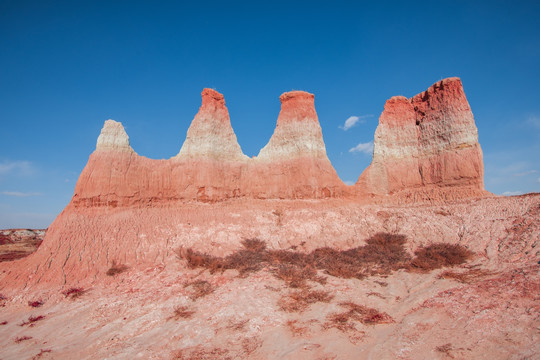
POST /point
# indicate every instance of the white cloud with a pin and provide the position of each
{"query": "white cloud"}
(366, 148)
(353, 120)
(19, 193)
(523, 173)
(538, 180)
(7, 167)
(512, 193)
(534, 121)
(349, 182)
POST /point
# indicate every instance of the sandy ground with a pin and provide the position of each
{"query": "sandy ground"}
(487, 308)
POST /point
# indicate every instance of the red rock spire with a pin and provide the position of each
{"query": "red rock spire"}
(210, 134)
(426, 144)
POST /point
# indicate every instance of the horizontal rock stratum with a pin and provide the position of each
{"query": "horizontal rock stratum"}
(425, 148)
(129, 208)
(210, 165)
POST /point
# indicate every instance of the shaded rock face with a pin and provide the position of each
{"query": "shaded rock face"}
(210, 165)
(426, 147)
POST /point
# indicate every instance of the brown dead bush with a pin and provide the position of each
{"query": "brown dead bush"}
(368, 316)
(439, 255)
(299, 301)
(445, 349)
(296, 329)
(200, 288)
(41, 353)
(22, 338)
(295, 276)
(197, 259)
(200, 353)
(116, 268)
(74, 292)
(382, 254)
(467, 276)
(32, 320)
(35, 303)
(182, 312)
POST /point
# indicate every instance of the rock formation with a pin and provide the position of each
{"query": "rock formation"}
(111, 278)
(426, 147)
(294, 165)
(127, 207)
(210, 165)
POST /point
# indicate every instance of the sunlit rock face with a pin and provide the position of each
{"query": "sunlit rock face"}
(294, 164)
(426, 147)
(129, 208)
(211, 166)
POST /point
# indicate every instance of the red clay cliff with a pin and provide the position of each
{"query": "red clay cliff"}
(426, 148)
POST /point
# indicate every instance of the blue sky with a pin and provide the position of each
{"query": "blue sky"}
(66, 67)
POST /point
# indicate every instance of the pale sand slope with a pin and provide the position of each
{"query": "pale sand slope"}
(495, 315)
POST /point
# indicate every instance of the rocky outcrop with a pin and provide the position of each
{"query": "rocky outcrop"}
(210, 165)
(426, 148)
(131, 209)
(294, 164)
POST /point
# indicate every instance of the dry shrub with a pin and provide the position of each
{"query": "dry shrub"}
(32, 320)
(299, 301)
(74, 292)
(35, 303)
(382, 254)
(22, 338)
(251, 258)
(116, 268)
(295, 276)
(249, 345)
(368, 316)
(340, 321)
(41, 352)
(199, 353)
(254, 245)
(467, 276)
(200, 288)
(182, 312)
(295, 329)
(238, 326)
(439, 255)
(445, 349)
(196, 259)
(3, 323)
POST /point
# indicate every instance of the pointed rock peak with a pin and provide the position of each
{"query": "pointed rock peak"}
(297, 106)
(211, 97)
(446, 91)
(113, 137)
(397, 111)
(212, 108)
(210, 135)
(298, 133)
